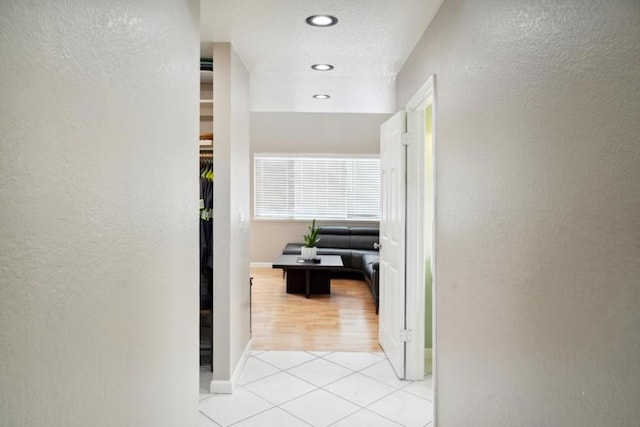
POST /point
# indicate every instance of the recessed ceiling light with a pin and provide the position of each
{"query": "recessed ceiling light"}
(320, 96)
(322, 67)
(322, 20)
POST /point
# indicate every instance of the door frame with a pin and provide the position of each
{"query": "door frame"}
(415, 249)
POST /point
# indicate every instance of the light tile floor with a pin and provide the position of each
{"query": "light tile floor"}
(301, 388)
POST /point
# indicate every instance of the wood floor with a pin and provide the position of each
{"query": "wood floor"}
(343, 321)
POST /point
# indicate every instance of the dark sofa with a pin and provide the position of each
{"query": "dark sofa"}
(355, 245)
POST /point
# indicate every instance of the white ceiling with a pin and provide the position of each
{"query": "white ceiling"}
(368, 46)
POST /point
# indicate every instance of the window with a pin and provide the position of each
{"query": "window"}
(306, 187)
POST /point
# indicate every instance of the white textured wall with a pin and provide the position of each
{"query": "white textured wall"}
(98, 213)
(538, 215)
(239, 244)
(323, 133)
(231, 204)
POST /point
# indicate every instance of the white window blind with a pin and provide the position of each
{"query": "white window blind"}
(296, 187)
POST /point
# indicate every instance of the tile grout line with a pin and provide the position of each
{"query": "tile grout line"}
(251, 416)
(367, 405)
(319, 357)
(286, 371)
(357, 370)
(290, 367)
(207, 397)
(286, 401)
(320, 388)
(365, 409)
(331, 382)
(342, 366)
(257, 413)
(384, 416)
(295, 416)
(260, 379)
(413, 394)
(209, 418)
(408, 382)
(246, 418)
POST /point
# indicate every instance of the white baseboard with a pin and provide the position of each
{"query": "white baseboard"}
(260, 264)
(240, 366)
(227, 386)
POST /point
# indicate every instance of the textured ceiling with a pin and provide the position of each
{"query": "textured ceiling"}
(367, 47)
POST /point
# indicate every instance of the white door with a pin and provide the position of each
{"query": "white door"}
(392, 241)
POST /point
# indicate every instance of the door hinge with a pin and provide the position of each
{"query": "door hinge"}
(406, 335)
(404, 138)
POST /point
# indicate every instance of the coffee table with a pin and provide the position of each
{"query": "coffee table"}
(307, 276)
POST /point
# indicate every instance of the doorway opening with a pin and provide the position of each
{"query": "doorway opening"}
(206, 176)
(421, 236)
(412, 321)
(407, 228)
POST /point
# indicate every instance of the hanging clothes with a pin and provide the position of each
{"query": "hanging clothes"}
(206, 264)
(206, 234)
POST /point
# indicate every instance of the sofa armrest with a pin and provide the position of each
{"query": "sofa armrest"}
(292, 249)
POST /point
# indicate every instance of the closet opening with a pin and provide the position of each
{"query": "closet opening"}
(206, 221)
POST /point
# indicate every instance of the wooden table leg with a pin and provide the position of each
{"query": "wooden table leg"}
(308, 277)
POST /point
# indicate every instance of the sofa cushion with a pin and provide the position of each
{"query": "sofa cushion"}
(334, 241)
(334, 237)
